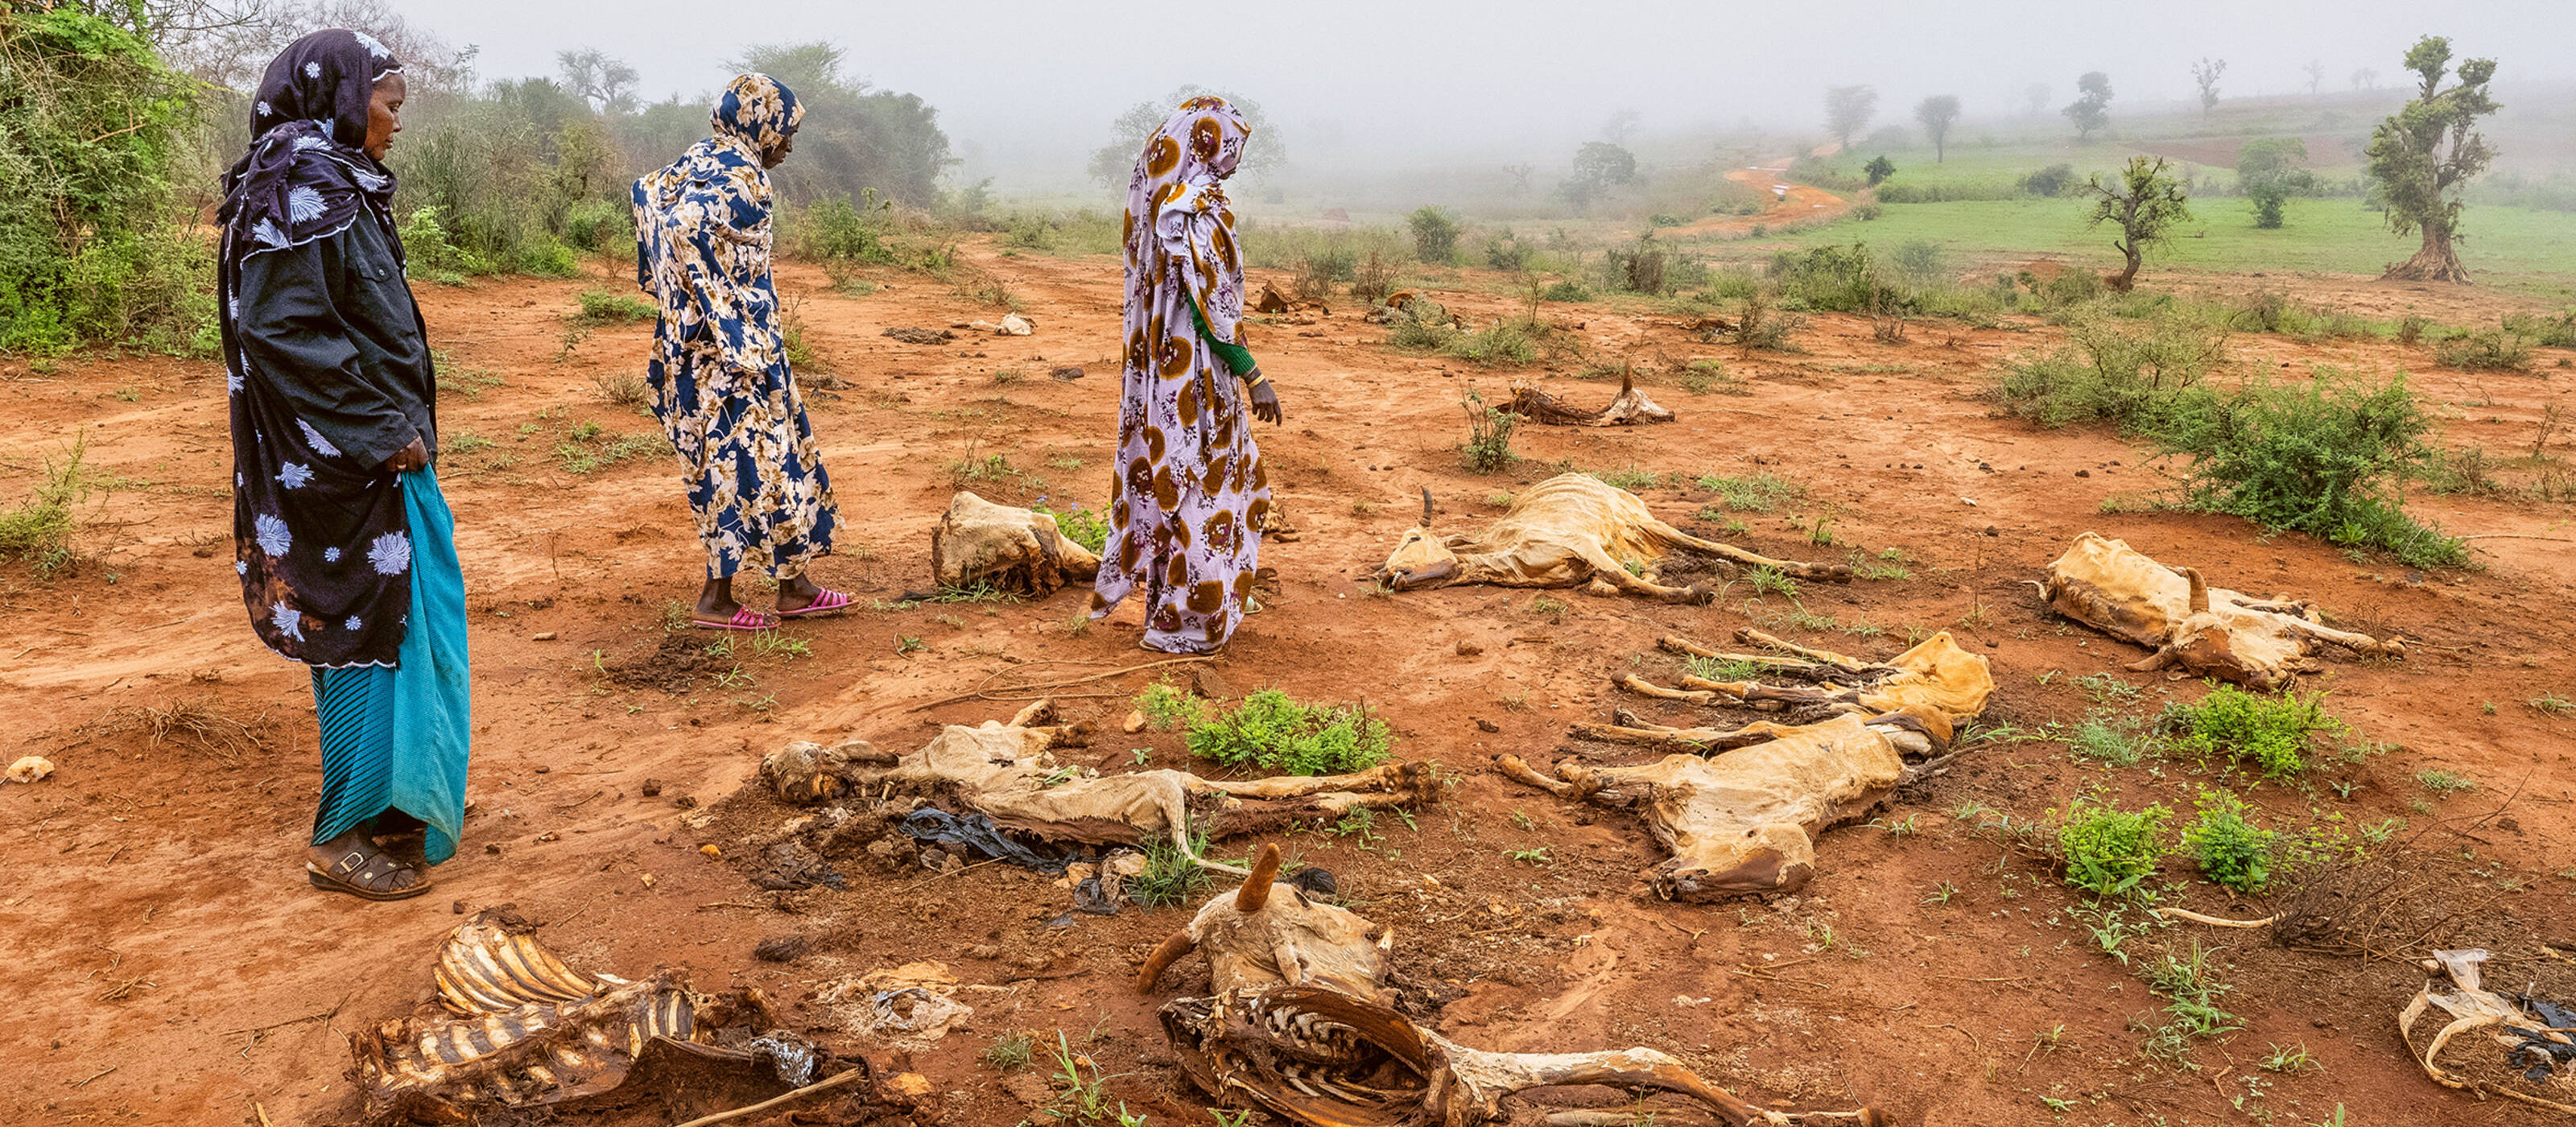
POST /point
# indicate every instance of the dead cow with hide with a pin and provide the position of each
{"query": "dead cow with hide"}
(1935, 676)
(1005, 772)
(1300, 1022)
(980, 545)
(1744, 821)
(2203, 630)
(1568, 531)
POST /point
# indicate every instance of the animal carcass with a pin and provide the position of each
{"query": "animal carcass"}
(1299, 1023)
(1570, 530)
(1744, 821)
(2526, 1055)
(525, 1031)
(2206, 631)
(980, 544)
(1629, 408)
(1934, 679)
(1005, 772)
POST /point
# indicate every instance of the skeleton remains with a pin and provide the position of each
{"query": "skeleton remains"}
(1005, 772)
(1936, 677)
(1570, 530)
(2205, 631)
(1300, 1023)
(525, 1031)
(1629, 408)
(980, 544)
(2525, 1054)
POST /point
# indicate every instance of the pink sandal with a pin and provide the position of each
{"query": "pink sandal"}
(827, 602)
(743, 619)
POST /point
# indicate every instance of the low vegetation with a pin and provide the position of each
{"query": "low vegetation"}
(2232, 851)
(1270, 729)
(2109, 851)
(2272, 733)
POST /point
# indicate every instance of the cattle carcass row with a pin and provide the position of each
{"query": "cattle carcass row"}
(2205, 631)
(1744, 821)
(1629, 408)
(1006, 772)
(1300, 1022)
(523, 1032)
(980, 545)
(1570, 530)
(1935, 678)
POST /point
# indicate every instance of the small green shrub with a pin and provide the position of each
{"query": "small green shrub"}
(2109, 851)
(2230, 723)
(1170, 876)
(2326, 459)
(2110, 738)
(1168, 706)
(1080, 525)
(2489, 351)
(1435, 235)
(2231, 849)
(1275, 731)
(38, 531)
(1759, 492)
(1488, 448)
(1566, 290)
(600, 307)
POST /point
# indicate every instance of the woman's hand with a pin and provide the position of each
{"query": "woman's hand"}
(409, 458)
(1265, 402)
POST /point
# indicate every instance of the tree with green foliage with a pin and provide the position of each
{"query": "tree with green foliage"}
(91, 242)
(2426, 152)
(1598, 167)
(1878, 169)
(1113, 163)
(1435, 235)
(1848, 110)
(1936, 114)
(2268, 174)
(2091, 109)
(854, 137)
(2204, 74)
(608, 84)
(2146, 202)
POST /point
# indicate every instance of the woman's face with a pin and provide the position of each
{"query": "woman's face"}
(384, 114)
(777, 156)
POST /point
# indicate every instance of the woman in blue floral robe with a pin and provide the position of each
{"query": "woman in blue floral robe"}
(719, 367)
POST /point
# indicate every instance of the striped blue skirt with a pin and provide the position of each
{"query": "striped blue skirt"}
(398, 738)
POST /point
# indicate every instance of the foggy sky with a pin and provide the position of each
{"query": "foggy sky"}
(1028, 84)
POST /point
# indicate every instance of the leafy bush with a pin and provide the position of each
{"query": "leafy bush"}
(93, 242)
(2051, 181)
(2488, 351)
(1435, 235)
(1168, 706)
(1948, 193)
(601, 307)
(2547, 331)
(38, 530)
(2272, 732)
(1488, 448)
(1831, 279)
(1275, 731)
(2109, 851)
(2143, 379)
(1080, 525)
(2231, 849)
(1566, 290)
(2326, 459)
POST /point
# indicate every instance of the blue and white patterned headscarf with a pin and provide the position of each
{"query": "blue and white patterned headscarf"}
(307, 173)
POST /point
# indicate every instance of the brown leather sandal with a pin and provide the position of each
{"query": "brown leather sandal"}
(363, 873)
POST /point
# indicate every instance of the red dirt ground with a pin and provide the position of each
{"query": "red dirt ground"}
(170, 966)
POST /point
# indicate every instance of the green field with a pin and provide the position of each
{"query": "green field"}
(2516, 249)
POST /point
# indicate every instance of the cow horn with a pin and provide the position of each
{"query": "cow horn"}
(2199, 590)
(1163, 957)
(1426, 506)
(1256, 888)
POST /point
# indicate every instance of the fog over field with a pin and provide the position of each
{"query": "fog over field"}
(1028, 89)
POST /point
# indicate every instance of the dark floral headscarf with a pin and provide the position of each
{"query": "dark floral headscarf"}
(758, 109)
(307, 173)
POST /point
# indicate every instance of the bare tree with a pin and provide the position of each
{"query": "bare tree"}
(608, 84)
(1520, 174)
(1938, 113)
(2365, 78)
(1621, 125)
(2423, 154)
(1848, 110)
(2035, 98)
(2316, 69)
(2204, 74)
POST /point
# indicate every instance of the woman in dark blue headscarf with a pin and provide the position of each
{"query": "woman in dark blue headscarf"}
(344, 545)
